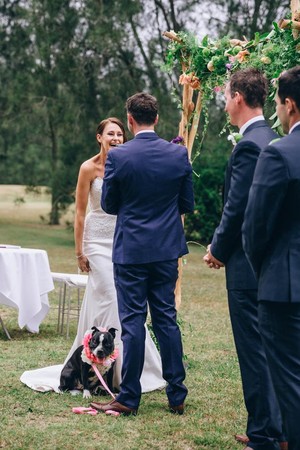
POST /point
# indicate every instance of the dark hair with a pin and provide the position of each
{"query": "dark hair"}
(251, 84)
(104, 122)
(143, 107)
(289, 85)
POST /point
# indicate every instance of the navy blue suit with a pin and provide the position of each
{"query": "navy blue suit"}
(148, 184)
(271, 234)
(264, 419)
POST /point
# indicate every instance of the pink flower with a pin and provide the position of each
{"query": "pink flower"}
(217, 89)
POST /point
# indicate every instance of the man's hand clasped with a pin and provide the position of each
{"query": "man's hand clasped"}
(211, 261)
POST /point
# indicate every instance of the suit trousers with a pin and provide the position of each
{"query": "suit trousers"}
(264, 426)
(135, 285)
(280, 329)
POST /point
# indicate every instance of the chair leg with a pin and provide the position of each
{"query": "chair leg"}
(78, 303)
(68, 313)
(63, 308)
(59, 305)
(5, 329)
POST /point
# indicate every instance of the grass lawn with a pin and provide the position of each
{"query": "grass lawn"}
(32, 420)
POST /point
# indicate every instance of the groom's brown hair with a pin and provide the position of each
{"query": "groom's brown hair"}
(143, 108)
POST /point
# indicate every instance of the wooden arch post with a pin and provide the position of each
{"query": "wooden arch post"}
(188, 126)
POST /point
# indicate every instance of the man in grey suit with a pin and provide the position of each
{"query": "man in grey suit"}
(245, 96)
(271, 238)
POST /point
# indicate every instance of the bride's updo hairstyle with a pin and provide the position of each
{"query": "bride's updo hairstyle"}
(104, 122)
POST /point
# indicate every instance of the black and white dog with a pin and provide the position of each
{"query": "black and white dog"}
(98, 348)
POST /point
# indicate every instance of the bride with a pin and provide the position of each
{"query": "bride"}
(93, 246)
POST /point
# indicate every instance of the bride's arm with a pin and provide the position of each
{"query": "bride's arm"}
(81, 201)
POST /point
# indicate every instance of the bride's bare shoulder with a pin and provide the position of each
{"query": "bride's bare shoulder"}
(91, 165)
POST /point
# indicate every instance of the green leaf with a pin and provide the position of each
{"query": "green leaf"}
(273, 116)
(276, 124)
(276, 26)
(204, 41)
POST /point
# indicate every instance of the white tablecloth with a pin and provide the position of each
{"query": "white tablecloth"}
(25, 280)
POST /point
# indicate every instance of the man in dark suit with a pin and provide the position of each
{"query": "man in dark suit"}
(271, 235)
(245, 96)
(148, 184)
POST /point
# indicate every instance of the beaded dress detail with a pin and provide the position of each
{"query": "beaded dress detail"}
(98, 224)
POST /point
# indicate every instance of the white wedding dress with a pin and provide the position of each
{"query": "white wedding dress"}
(99, 306)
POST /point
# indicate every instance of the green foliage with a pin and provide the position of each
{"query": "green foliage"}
(212, 61)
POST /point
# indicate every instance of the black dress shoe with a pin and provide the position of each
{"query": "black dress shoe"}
(178, 409)
(114, 406)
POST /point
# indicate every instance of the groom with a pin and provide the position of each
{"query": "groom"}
(148, 184)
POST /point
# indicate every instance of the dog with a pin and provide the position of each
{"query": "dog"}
(78, 375)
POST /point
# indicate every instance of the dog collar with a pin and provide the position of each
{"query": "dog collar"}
(88, 357)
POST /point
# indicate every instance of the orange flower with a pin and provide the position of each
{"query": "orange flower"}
(184, 79)
(191, 79)
(234, 42)
(242, 55)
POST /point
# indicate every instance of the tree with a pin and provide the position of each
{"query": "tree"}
(245, 18)
(78, 62)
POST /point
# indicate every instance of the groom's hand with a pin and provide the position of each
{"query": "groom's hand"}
(211, 261)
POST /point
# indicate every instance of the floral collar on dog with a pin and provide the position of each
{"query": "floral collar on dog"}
(88, 357)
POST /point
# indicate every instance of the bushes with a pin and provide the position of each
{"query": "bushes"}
(208, 178)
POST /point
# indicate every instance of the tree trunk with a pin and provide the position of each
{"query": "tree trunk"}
(54, 214)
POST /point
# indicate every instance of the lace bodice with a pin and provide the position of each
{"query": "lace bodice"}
(98, 224)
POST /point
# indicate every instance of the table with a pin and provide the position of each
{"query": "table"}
(25, 280)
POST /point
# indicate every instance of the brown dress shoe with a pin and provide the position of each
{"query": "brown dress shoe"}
(242, 438)
(178, 409)
(284, 445)
(114, 406)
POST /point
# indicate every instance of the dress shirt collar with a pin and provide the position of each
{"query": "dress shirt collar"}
(145, 131)
(250, 122)
(294, 126)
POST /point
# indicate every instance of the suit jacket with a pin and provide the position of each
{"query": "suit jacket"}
(148, 184)
(227, 240)
(271, 231)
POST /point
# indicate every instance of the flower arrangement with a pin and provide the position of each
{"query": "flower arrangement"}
(206, 65)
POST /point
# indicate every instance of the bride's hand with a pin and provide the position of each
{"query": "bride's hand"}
(83, 264)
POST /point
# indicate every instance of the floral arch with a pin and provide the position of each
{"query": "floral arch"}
(206, 66)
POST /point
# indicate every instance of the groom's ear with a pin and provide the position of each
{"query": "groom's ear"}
(130, 118)
(156, 120)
